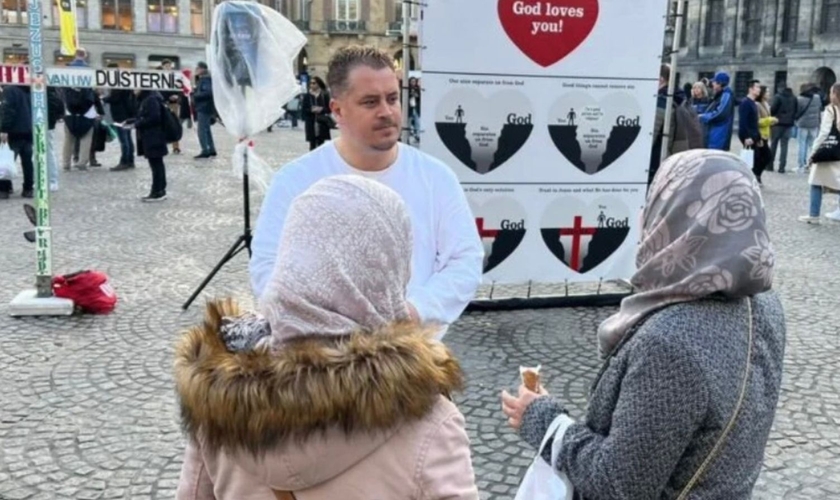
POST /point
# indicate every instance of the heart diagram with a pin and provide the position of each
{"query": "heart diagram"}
(483, 133)
(501, 225)
(592, 135)
(548, 30)
(583, 236)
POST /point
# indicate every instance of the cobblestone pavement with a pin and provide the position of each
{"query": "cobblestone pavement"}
(88, 408)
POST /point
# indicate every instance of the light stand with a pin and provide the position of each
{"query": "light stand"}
(243, 241)
(240, 38)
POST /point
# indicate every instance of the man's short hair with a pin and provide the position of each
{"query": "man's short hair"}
(350, 57)
(81, 53)
(665, 72)
(753, 83)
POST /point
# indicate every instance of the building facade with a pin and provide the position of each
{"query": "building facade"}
(142, 33)
(779, 42)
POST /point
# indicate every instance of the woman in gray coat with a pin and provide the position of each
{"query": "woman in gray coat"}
(693, 361)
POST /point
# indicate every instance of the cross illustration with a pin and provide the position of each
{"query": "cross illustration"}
(576, 233)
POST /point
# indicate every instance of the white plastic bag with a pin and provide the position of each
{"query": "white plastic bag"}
(7, 162)
(748, 157)
(252, 54)
(258, 171)
(542, 481)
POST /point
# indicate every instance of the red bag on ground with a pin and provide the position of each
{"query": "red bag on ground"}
(90, 291)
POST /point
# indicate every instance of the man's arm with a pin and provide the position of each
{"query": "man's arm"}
(458, 265)
(721, 112)
(266, 239)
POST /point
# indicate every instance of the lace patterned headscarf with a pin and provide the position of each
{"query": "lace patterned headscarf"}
(344, 261)
(703, 233)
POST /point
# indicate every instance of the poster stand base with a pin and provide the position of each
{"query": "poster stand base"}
(27, 303)
(617, 293)
(520, 303)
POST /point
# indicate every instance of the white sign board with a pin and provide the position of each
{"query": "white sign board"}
(545, 111)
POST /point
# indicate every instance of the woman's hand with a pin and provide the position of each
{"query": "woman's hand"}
(514, 407)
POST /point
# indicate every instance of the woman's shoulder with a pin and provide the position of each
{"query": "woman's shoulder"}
(695, 323)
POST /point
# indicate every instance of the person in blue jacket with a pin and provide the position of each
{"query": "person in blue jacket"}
(719, 116)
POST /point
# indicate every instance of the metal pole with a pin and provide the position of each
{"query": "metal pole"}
(38, 94)
(672, 81)
(406, 59)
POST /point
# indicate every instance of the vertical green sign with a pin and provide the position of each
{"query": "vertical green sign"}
(43, 274)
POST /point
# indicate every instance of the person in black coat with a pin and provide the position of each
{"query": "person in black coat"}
(123, 108)
(151, 140)
(315, 109)
(100, 133)
(16, 130)
(785, 108)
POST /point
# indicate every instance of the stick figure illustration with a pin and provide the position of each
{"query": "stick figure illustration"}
(602, 219)
(459, 114)
(571, 117)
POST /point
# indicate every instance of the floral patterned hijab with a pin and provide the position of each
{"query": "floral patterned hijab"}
(703, 233)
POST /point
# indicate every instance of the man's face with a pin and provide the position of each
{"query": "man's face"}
(167, 66)
(717, 87)
(755, 90)
(369, 111)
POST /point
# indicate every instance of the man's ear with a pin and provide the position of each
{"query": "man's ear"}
(335, 108)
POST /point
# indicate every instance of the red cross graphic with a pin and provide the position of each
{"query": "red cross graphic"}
(576, 233)
(485, 233)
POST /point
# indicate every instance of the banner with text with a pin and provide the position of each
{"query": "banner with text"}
(110, 78)
(546, 115)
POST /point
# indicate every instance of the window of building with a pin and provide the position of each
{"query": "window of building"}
(779, 81)
(81, 14)
(790, 21)
(15, 56)
(413, 12)
(347, 10)
(742, 83)
(672, 21)
(121, 60)
(197, 17)
(752, 22)
(117, 15)
(714, 23)
(155, 61)
(14, 12)
(163, 16)
(708, 75)
(831, 16)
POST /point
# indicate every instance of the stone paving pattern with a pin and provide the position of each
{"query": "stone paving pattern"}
(88, 407)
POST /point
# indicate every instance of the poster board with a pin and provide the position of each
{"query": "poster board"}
(545, 111)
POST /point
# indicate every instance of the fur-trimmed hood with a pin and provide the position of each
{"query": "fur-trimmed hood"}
(255, 401)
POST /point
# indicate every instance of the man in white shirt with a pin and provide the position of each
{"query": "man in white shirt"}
(447, 260)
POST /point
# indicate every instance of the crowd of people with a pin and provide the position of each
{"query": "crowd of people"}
(765, 126)
(339, 384)
(93, 117)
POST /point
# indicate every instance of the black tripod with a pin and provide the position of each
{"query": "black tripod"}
(243, 242)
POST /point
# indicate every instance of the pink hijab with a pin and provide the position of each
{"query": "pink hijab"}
(703, 233)
(344, 261)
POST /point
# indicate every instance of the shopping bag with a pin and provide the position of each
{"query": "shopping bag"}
(7, 162)
(748, 157)
(542, 481)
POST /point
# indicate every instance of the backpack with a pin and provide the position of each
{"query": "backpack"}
(172, 129)
(90, 291)
(78, 101)
(688, 132)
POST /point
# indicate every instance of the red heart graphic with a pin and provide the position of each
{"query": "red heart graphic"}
(548, 30)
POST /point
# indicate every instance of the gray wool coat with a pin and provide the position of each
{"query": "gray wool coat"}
(663, 398)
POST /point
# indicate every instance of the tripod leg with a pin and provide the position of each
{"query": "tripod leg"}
(237, 247)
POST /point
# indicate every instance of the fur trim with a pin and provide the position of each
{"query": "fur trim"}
(360, 382)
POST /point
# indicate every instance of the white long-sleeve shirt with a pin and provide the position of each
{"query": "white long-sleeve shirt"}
(447, 256)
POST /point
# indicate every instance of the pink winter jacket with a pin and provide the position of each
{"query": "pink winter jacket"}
(362, 417)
